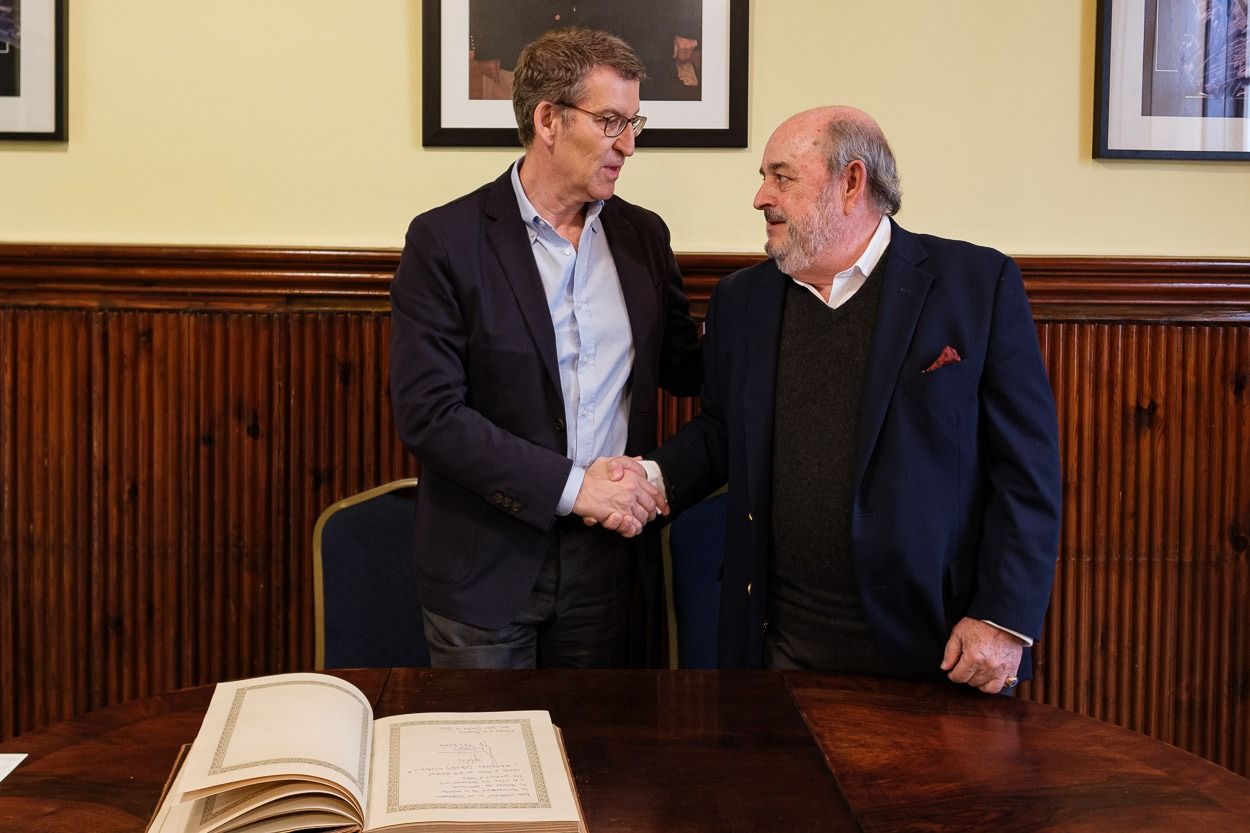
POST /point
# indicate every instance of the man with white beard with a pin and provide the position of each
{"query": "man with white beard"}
(877, 401)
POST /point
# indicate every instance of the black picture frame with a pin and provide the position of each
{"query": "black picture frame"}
(1171, 81)
(33, 86)
(717, 120)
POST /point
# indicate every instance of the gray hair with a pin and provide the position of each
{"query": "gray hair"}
(851, 139)
(554, 68)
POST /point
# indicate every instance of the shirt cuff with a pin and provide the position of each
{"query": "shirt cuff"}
(1027, 640)
(655, 477)
(571, 487)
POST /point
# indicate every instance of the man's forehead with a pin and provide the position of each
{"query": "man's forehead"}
(791, 151)
(613, 98)
(607, 81)
(775, 166)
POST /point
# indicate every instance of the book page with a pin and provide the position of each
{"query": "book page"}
(485, 767)
(286, 803)
(280, 728)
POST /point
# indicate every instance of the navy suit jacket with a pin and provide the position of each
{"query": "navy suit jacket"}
(476, 393)
(956, 475)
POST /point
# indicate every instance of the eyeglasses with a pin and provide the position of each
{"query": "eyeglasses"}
(613, 126)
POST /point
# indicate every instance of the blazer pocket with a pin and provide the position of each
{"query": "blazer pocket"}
(946, 373)
(447, 564)
(938, 397)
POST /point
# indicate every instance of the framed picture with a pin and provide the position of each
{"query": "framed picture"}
(32, 70)
(1172, 80)
(695, 52)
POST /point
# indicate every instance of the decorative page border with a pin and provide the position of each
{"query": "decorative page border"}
(393, 804)
(236, 707)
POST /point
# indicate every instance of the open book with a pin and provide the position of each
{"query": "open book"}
(296, 752)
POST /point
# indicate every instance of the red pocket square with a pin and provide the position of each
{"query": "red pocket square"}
(948, 356)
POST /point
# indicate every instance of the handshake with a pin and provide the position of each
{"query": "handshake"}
(617, 494)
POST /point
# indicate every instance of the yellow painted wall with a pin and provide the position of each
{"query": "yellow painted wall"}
(297, 122)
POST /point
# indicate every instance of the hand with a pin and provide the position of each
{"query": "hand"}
(624, 503)
(981, 655)
(617, 468)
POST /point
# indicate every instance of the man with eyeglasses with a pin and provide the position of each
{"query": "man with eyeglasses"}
(532, 321)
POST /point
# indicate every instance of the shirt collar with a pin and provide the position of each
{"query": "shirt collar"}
(873, 252)
(847, 282)
(529, 214)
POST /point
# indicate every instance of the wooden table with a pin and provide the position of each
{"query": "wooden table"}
(721, 751)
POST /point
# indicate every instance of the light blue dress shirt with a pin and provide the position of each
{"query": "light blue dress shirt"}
(594, 343)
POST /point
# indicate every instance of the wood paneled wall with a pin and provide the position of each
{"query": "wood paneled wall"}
(173, 420)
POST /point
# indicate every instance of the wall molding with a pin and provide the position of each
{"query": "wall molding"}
(259, 278)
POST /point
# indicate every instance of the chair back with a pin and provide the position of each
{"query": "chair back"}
(696, 541)
(367, 611)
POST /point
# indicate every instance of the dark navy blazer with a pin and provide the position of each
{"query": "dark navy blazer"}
(476, 389)
(956, 474)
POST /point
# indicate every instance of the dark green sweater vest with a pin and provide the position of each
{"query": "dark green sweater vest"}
(816, 619)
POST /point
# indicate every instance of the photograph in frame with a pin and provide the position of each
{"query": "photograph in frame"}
(695, 52)
(1172, 80)
(32, 70)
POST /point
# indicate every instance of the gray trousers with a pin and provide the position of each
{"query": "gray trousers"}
(575, 616)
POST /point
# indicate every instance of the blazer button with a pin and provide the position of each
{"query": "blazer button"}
(749, 584)
(558, 425)
(750, 517)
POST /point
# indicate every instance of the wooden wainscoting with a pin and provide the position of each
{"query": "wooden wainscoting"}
(173, 420)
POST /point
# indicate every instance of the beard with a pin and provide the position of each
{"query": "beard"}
(808, 236)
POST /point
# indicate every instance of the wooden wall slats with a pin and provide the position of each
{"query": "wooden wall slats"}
(1148, 623)
(44, 497)
(173, 420)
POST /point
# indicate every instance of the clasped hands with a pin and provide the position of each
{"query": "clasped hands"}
(616, 494)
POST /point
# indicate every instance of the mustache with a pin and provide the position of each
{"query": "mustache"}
(774, 216)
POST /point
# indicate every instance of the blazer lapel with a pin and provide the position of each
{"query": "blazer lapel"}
(763, 335)
(509, 240)
(638, 285)
(902, 298)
